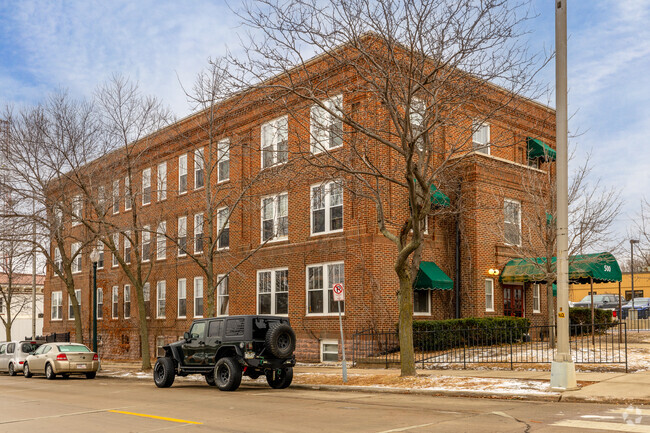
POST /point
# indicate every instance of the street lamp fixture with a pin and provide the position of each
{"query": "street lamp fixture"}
(94, 257)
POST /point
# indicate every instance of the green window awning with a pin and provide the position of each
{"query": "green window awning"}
(438, 198)
(602, 267)
(539, 149)
(431, 277)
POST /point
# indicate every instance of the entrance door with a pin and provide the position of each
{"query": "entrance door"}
(513, 301)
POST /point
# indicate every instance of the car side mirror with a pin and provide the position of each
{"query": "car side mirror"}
(187, 336)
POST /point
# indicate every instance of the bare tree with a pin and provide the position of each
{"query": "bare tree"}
(640, 231)
(415, 77)
(13, 260)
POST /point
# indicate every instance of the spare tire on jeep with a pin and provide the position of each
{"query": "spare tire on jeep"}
(281, 340)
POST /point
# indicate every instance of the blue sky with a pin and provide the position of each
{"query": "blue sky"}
(77, 45)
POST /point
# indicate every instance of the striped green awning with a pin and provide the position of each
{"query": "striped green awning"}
(539, 149)
(431, 277)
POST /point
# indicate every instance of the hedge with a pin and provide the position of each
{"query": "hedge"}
(486, 331)
(603, 320)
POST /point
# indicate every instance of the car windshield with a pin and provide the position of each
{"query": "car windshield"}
(597, 298)
(28, 347)
(73, 348)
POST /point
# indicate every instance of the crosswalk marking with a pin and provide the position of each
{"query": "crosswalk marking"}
(599, 425)
(632, 412)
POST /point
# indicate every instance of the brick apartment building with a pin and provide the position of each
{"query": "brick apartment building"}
(307, 232)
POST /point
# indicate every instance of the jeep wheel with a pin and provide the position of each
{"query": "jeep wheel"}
(209, 378)
(227, 374)
(281, 340)
(280, 378)
(163, 372)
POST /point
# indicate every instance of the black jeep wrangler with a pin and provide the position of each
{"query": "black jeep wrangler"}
(225, 348)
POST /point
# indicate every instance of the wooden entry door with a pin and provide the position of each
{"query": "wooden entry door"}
(513, 301)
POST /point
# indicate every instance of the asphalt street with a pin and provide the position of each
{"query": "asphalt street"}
(132, 405)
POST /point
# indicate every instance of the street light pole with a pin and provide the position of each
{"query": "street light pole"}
(563, 373)
(94, 257)
(632, 242)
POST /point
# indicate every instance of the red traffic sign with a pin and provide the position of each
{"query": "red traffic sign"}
(339, 292)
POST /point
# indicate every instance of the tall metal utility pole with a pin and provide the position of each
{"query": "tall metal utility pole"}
(34, 274)
(632, 242)
(563, 372)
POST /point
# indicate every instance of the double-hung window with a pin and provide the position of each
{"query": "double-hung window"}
(146, 243)
(161, 296)
(223, 156)
(417, 115)
(57, 306)
(481, 137)
(326, 208)
(116, 243)
(320, 280)
(161, 241)
(198, 296)
(146, 186)
(127, 193)
(489, 294)
(275, 142)
(199, 168)
(536, 299)
(182, 298)
(128, 246)
(77, 210)
(101, 199)
(275, 217)
(222, 295)
(76, 257)
(58, 261)
(198, 233)
(100, 303)
(161, 181)
(421, 302)
(100, 256)
(127, 301)
(273, 291)
(116, 196)
(182, 174)
(326, 128)
(223, 225)
(115, 301)
(77, 295)
(182, 236)
(512, 221)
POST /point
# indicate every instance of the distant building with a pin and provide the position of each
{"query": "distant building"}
(641, 287)
(22, 306)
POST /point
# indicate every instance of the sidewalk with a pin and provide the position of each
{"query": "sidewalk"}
(604, 387)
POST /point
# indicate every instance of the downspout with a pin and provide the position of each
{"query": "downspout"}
(457, 267)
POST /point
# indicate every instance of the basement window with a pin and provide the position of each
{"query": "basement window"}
(329, 350)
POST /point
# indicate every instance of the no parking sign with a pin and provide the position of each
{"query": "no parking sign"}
(339, 292)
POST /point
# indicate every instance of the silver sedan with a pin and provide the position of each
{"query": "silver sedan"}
(62, 358)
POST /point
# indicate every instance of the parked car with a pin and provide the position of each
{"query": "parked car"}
(13, 355)
(225, 348)
(605, 301)
(65, 359)
(641, 305)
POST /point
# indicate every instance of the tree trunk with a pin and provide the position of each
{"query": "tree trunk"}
(78, 332)
(551, 313)
(144, 330)
(8, 323)
(210, 290)
(405, 299)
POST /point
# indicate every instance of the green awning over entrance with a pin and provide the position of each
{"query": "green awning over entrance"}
(438, 198)
(431, 277)
(602, 267)
(539, 149)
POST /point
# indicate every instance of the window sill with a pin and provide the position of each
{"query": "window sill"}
(223, 249)
(275, 240)
(320, 315)
(489, 311)
(223, 181)
(56, 320)
(182, 192)
(160, 259)
(326, 233)
(198, 188)
(422, 314)
(316, 152)
(277, 164)
(160, 318)
(146, 204)
(181, 317)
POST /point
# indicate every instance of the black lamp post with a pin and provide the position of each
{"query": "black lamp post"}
(94, 257)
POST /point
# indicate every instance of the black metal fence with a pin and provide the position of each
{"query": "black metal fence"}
(456, 347)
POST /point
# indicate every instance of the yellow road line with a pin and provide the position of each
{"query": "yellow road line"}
(144, 415)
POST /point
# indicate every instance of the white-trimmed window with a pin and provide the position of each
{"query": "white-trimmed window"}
(182, 236)
(512, 221)
(146, 243)
(481, 137)
(161, 296)
(127, 193)
(100, 252)
(329, 350)
(416, 115)
(127, 301)
(275, 142)
(489, 294)
(182, 174)
(198, 296)
(421, 302)
(223, 155)
(146, 186)
(273, 291)
(58, 261)
(326, 208)
(146, 294)
(116, 242)
(326, 129)
(320, 279)
(536, 299)
(161, 240)
(161, 181)
(115, 301)
(76, 257)
(223, 225)
(77, 295)
(275, 217)
(101, 199)
(128, 246)
(182, 298)
(198, 233)
(116, 196)
(199, 168)
(57, 306)
(77, 210)
(100, 303)
(223, 297)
